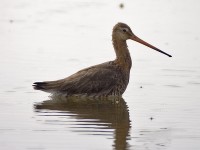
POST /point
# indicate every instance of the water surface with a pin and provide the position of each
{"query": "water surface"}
(49, 40)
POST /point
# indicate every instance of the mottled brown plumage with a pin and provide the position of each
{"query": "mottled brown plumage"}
(106, 79)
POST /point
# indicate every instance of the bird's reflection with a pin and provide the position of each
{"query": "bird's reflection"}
(106, 115)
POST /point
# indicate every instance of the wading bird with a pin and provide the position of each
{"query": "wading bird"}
(106, 79)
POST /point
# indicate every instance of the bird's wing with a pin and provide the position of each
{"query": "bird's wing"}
(97, 79)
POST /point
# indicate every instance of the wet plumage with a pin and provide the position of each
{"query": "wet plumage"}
(106, 79)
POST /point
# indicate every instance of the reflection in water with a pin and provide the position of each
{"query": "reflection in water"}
(103, 116)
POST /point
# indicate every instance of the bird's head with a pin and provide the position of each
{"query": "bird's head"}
(123, 32)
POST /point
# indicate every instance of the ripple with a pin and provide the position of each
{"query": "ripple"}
(179, 70)
(173, 85)
(10, 91)
(194, 83)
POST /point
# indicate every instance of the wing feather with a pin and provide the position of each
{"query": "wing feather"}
(102, 79)
(97, 79)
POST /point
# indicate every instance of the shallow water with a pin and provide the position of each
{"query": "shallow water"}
(48, 40)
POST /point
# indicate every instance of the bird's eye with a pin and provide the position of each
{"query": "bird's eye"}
(124, 30)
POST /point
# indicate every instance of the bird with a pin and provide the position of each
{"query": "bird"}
(103, 80)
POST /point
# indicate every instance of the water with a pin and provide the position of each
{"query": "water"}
(48, 40)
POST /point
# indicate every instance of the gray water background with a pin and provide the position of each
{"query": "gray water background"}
(51, 39)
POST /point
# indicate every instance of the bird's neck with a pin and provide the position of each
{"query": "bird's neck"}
(123, 57)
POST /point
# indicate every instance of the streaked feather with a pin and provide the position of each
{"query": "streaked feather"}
(103, 79)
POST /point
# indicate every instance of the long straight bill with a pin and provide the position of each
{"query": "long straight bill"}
(137, 39)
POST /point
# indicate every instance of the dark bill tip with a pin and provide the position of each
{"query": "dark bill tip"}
(163, 53)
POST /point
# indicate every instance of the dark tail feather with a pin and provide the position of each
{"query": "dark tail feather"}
(48, 86)
(39, 85)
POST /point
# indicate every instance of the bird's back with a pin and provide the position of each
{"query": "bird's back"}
(100, 80)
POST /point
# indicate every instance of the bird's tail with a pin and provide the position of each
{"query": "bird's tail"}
(48, 86)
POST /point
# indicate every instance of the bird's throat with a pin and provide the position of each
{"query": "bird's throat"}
(123, 57)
